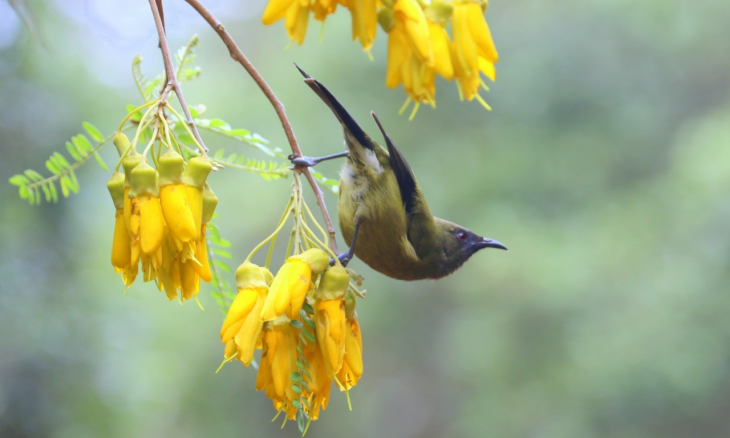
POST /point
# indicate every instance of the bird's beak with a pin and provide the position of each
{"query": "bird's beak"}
(489, 243)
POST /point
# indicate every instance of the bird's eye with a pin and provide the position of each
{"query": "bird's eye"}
(461, 236)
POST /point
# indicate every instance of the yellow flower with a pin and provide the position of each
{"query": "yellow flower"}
(121, 245)
(322, 8)
(146, 223)
(278, 362)
(175, 207)
(473, 51)
(329, 317)
(409, 15)
(417, 50)
(241, 329)
(364, 21)
(319, 383)
(295, 14)
(292, 283)
(352, 368)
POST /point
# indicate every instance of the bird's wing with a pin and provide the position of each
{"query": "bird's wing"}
(349, 123)
(419, 219)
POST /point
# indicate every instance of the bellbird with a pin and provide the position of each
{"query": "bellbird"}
(383, 212)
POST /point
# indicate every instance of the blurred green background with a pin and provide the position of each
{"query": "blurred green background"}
(605, 167)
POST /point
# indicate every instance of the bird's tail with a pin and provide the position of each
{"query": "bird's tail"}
(340, 112)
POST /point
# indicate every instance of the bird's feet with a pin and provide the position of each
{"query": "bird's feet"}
(344, 258)
(303, 161)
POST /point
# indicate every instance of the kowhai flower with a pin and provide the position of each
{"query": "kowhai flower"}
(319, 383)
(241, 330)
(292, 283)
(352, 368)
(329, 317)
(419, 47)
(278, 362)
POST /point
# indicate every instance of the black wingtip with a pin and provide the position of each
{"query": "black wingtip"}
(306, 76)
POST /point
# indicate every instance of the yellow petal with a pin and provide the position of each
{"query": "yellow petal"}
(121, 246)
(464, 45)
(151, 223)
(288, 290)
(248, 336)
(177, 213)
(189, 280)
(442, 58)
(275, 11)
(240, 308)
(480, 32)
(195, 201)
(329, 317)
(201, 255)
(410, 13)
(398, 53)
(297, 17)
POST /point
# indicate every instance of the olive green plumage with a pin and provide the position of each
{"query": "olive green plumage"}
(398, 235)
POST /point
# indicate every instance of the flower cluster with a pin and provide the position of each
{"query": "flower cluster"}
(304, 321)
(161, 217)
(419, 46)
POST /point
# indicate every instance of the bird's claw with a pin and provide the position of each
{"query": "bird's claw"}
(344, 259)
(302, 161)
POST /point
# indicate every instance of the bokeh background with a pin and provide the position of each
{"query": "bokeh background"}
(605, 167)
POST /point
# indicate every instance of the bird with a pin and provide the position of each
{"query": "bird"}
(382, 210)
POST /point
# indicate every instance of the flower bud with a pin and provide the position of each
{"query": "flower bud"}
(210, 202)
(144, 181)
(122, 143)
(115, 185)
(250, 275)
(333, 284)
(439, 12)
(386, 19)
(170, 165)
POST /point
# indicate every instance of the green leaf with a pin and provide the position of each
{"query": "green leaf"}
(295, 377)
(309, 335)
(52, 167)
(82, 143)
(33, 175)
(297, 404)
(308, 309)
(309, 322)
(47, 193)
(64, 188)
(222, 253)
(193, 112)
(239, 132)
(301, 422)
(60, 160)
(19, 180)
(93, 132)
(222, 266)
(218, 123)
(72, 151)
(54, 192)
(296, 388)
(296, 324)
(101, 162)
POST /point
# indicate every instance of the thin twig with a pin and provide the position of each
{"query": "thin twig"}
(238, 56)
(170, 73)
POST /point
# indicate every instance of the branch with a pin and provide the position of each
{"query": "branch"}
(172, 81)
(238, 56)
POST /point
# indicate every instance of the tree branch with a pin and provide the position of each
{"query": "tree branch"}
(238, 56)
(170, 72)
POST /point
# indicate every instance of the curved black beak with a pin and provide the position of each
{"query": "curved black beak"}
(490, 243)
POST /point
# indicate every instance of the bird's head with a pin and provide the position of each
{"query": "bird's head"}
(459, 244)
